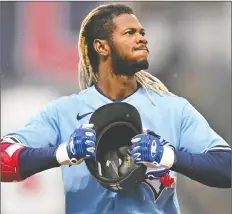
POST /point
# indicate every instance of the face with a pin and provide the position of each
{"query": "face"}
(129, 49)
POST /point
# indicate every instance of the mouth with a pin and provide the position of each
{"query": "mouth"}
(142, 49)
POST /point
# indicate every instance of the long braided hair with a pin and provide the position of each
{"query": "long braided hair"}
(99, 24)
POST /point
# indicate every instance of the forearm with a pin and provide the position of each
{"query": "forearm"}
(35, 160)
(19, 162)
(212, 169)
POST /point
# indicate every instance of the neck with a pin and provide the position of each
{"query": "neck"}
(115, 86)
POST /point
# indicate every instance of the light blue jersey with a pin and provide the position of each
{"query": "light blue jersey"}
(172, 117)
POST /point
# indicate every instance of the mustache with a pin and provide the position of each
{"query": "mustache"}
(143, 47)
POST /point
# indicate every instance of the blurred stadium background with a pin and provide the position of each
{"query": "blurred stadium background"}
(190, 45)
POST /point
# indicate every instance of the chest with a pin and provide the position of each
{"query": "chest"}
(161, 121)
(77, 178)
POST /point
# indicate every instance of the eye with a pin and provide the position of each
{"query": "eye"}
(131, 32)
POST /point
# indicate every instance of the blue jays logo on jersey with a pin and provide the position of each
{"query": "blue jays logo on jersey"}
(153, 175)
(153, 181)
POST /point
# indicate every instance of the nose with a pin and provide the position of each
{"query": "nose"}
(142, 39)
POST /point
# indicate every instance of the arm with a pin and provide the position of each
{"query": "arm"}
(202, 155)
(19, 162)
(33, 148)
(212, 169)
(41, 132)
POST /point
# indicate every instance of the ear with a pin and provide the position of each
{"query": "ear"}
(102, 47)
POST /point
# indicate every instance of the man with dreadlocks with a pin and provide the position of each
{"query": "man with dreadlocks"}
(113, 54)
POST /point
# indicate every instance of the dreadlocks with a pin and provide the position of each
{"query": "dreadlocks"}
(99, 24)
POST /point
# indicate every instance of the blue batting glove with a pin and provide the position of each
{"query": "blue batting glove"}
(80, 146)
(147, 149)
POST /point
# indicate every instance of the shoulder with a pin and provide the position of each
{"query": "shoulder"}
(169, 100)
(167, 105)
(71, 99)
(178, 106)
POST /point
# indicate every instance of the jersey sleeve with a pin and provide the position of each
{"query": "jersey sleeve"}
(196, 135)
(41, 130)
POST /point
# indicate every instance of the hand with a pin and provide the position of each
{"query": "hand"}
(80, 146)
(147, 149)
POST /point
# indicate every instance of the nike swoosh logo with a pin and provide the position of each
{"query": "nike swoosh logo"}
(79, 117)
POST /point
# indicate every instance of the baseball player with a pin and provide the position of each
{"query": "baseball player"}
(113, 56)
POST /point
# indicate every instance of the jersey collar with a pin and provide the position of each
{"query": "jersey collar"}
(120, 99)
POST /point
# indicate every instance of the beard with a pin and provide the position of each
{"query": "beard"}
(123, 66)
